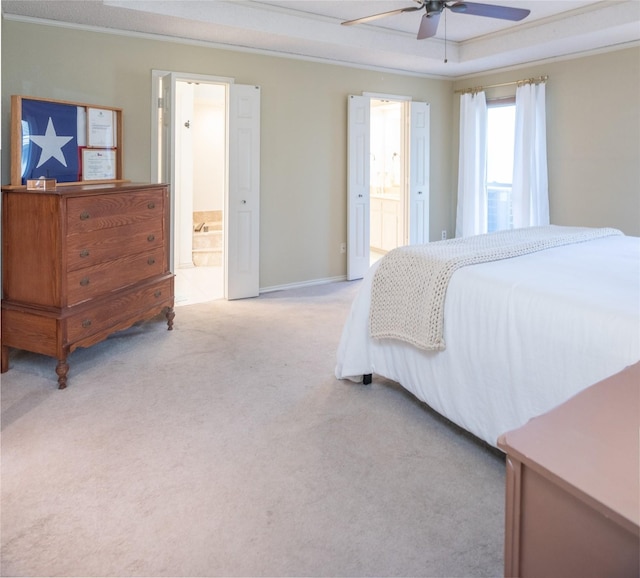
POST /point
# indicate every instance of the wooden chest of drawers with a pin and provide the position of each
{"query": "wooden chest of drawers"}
(80, 263)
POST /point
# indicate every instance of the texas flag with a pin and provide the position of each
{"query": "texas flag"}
(49, 141)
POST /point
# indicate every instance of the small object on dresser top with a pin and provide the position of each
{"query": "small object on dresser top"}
(41, 184)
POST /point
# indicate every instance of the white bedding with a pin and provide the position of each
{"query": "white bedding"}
(523, 335)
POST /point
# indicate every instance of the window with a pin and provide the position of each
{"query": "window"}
(501, 116)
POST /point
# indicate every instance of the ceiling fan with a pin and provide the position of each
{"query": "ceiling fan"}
(434, 8)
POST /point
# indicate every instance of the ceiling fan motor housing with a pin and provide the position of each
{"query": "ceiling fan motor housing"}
(437, 6)
(434, 6)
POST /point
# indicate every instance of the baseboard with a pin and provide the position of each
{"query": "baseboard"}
(303, 284)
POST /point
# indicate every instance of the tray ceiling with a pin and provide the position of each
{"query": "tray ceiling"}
(311, 29)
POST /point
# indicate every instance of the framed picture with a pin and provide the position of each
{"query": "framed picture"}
(101, 127)
(98, 164)
(54, 139)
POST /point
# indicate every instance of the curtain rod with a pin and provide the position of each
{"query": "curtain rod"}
(476, 89)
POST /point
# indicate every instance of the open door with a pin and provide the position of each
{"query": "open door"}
(419, 174)
(242, 206)
(358, 209)
(182, 170)
(163, 167)
(243, 201)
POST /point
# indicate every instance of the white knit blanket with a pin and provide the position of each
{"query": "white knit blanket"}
(409, 287)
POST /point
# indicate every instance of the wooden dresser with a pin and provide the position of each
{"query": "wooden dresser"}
(80, 263)
(573, 486)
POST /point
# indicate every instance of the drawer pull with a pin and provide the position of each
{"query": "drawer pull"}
(151, 238)
(84, 253)
(84, 281)
(157, 293)
(86, 323)
(151, 205)
(150, 261)
(84, 216)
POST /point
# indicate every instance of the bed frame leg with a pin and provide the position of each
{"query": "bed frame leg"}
(367, 378)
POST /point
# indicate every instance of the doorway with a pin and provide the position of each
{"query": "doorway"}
(207, 135)
(388, 185)
(200, 185)
(397, 172)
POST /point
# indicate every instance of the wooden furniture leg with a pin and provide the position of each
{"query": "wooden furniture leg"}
(5, 359)
(170, 315)
(62, 369)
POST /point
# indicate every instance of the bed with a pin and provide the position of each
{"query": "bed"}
(520, 334)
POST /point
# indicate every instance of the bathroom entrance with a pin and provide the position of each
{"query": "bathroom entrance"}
(200, 178)
(207, 134)
(388, 186)
(388, 177)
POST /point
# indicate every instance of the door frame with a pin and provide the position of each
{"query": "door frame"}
(405, 132)
(416, 177)
(163, 171)
(241, 270)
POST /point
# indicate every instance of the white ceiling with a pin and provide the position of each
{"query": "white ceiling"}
(311, 29)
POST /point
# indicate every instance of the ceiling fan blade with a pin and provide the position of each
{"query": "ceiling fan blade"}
(381, 15)
(428, 26)
(489, 10)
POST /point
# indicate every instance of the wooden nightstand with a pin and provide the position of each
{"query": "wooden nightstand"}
(573, 490)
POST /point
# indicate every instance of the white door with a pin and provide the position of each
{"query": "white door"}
(183, 173)
(419, 174)
(242, 210)
(358, 203)
(243, 201)
(162, 164)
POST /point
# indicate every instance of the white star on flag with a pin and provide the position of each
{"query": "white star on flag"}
(51, 144)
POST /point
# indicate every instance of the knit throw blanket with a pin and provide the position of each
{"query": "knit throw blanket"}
(409, 287)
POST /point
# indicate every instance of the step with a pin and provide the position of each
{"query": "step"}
(204, 258)
(208, 240)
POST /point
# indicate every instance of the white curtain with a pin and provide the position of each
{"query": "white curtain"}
(530, 193)
(471, 215)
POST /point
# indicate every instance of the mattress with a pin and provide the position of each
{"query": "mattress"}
(523, 335)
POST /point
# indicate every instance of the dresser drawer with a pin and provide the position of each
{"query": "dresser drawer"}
(93, 247)
(93, 213)
(117, 309)
(90, 282)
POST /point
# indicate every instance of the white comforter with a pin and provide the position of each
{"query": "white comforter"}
(523, 335)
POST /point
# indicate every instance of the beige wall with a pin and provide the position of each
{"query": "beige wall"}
(303, 132)
(593, 106)
(593, 136)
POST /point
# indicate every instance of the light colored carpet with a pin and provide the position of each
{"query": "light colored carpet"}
(227, 448)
